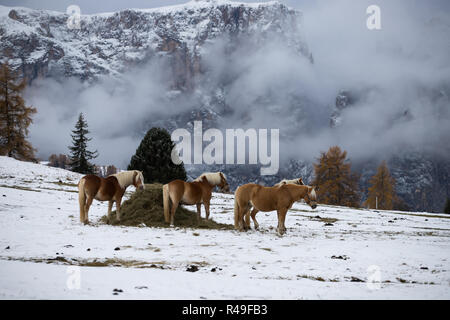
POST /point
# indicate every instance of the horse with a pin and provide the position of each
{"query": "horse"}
(111, 188)
(195, 192)
(298, 181)
(267, 199)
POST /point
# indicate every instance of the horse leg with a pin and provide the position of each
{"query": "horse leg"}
(172, 212)
(82, 199)
(86, 209)
(253, 214)
(110, 205)
(240, 220)
(206, 205)
(246, 218)
(199, 210)
(278, 219)
(118, 201)
(281, 217)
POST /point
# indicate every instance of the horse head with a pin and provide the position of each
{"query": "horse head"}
(138, 180)
(223, 185)
(311, 197)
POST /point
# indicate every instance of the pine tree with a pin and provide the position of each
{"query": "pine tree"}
(382, 189)
(79, 154)
(153, 158)
(447, 206)
(337, 184)
(15, 117)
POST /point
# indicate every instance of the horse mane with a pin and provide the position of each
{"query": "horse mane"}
(313, 192)
(125, 178)
(212, 177)
(286, 181)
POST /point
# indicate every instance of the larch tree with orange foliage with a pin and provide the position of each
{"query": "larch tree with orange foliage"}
(337, 184)
(15, 117)
(382, 189)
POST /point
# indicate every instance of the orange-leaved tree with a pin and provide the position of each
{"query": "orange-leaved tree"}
(382, 189)
(15, 117)
(337, 184)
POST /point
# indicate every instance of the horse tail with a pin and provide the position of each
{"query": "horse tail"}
(166, 202)
(82, 199)
(236, 212)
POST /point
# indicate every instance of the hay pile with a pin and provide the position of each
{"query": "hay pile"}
(146, 207)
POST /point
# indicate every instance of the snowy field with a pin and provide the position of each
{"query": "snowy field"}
(326, 253)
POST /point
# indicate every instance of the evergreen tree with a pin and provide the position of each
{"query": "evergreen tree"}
(447, 206)
(79, 154)
(382, 189)
(337, 184)
(153, 158)
(15, 117)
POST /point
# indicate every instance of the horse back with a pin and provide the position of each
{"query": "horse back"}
(187, 192)
(246, 192)
(101, 189)
(265, 198)
(92, 184)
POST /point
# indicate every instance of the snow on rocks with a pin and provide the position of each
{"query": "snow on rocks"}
(40, 42)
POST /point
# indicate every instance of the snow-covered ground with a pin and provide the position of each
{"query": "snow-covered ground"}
(327, 253)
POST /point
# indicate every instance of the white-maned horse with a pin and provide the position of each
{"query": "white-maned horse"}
(111, 188)
(196, 192)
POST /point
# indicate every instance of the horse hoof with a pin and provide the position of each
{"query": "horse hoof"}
(86, 222)
(172, 226)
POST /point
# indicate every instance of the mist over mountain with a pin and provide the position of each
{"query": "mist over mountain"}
(320, 77)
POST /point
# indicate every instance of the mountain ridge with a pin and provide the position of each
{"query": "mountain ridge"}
(108, 43)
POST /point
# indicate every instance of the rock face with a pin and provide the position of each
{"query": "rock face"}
(40, 43)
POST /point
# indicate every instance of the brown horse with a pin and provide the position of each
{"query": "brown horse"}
(195, 192)
(111, 188)
(265, 199)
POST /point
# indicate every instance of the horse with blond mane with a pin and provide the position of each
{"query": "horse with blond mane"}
(266, 199)
(111, 188)
(298, 181)
(196, 192)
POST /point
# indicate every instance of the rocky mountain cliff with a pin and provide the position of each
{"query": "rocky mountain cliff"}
(39, 44)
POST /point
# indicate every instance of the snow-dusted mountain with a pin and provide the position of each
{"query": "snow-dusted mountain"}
(40, 43)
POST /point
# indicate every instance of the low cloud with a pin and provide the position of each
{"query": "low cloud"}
(399, 76)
